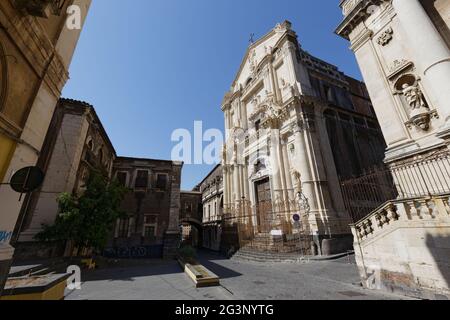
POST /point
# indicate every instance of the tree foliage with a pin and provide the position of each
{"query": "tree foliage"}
(88, 219)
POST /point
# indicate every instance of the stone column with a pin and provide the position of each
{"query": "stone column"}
(246, 182)
(431, 54)
(287, 169)
(225, 184)
(172, 237)
(274, 162)
(297, 70)
(281, 167)
(302, 165)
(236, 184)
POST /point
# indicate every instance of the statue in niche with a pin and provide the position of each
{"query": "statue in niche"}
(414, 96)
(297, 182)
(235, 152)
(419, 113)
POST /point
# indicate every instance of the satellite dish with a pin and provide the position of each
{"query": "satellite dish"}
(27, 180)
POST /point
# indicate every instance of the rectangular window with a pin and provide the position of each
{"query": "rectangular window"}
(150, 232)
(122, 178)
(141, 179)
(161, 181)
(123, 228)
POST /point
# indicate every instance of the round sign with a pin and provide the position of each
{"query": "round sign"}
(27, 179)
(296, 217)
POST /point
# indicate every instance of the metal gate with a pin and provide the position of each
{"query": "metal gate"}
(268, 225)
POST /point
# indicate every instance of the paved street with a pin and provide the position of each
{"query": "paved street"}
(330, 280)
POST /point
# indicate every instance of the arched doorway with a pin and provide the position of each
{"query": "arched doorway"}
(192, 232)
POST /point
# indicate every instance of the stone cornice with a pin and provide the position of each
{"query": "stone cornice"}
(38, 50)
(361, 39)
(9, 127)
(355, 11)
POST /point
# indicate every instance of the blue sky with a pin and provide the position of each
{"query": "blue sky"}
(152, 66)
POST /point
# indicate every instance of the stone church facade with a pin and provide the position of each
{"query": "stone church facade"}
(403, 50)
(295, 124)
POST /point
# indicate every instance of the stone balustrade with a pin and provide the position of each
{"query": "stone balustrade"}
(409, 210)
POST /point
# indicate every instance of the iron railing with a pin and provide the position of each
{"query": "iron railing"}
(268, 226)
(418, 177)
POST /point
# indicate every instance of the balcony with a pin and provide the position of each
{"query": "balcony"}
(39, 8)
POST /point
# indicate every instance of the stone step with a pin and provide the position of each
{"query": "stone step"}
(265, 259)
(266, 256)
(269, 256)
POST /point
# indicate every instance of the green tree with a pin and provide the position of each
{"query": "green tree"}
(87, 220)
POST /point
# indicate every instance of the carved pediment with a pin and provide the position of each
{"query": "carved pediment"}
(399, 66)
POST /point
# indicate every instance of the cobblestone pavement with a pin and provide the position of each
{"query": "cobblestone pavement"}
(329, 280)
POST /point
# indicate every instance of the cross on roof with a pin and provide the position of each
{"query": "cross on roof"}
(252, 40)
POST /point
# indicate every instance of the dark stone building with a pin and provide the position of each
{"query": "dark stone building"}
(191, 218)
(76, 143)
(152, 205)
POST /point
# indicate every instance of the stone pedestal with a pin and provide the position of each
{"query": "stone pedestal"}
(4, 271)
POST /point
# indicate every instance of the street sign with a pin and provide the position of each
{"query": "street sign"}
(296, 217)
(27, 179)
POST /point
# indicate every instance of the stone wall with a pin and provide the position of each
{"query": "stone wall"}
(405, 248)
(149, 208)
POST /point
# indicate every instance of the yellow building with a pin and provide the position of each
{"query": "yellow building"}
(37, 41)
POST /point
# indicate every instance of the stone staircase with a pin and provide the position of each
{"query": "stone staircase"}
(248, 254)
(265, 247)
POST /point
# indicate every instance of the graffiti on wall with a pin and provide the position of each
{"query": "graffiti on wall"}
(141, 252)
(5, 236)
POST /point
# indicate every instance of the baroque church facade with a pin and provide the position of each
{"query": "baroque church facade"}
(295, 125)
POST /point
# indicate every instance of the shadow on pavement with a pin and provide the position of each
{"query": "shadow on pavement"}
(124, 273)
(206, 258)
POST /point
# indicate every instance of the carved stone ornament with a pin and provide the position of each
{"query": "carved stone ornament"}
(253, 62)
(399, 66)
(385, 37)
(419, 111)
(297, 180)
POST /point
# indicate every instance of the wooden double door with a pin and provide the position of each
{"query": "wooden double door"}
(263, 205)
